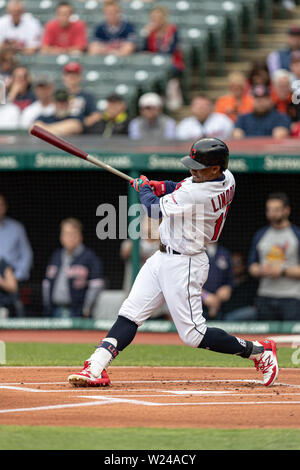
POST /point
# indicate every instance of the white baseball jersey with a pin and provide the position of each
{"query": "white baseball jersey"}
(177, 279)
(194, 214)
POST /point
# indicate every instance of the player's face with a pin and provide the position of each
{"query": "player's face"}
(70, 237)
(276, 211)
(207, 174)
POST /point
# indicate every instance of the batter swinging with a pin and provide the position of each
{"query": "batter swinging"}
(193, 214)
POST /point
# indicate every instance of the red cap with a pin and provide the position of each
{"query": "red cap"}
(74, 67)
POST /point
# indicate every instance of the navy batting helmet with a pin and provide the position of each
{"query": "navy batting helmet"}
(207, 152)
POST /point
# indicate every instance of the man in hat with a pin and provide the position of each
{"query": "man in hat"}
(264, 120)
(61, 122)
(281, 59)
(82, 103)
(44, 105)
(151, 123)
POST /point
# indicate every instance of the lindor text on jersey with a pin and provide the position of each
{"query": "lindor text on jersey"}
(222, 200)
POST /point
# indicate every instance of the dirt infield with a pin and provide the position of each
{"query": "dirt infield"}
(145, 396)
(152, 397)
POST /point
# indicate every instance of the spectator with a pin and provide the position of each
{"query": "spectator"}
(81, 102)
(204, 122)
(73, 278)
(281, 59)
(7, 64)
(294, 109)
(10, 117)
(274, 262)
(20, 91)
(264, 120)
(61, 122)
(259, 74)
(44, 104)
(238, 100)
(113, 121)
(281, 93)
(14, 245)
(114, 35)
(20, 30)
(218, 288)
(62, 34)
(8, 289)
(240, 306)
(152, 123)
(162, 38)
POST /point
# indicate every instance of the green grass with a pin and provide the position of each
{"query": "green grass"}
(58, 354)
(70, 438)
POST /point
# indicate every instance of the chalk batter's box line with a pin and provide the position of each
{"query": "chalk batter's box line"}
(111, 401)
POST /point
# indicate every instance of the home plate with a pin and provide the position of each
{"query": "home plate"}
(197, 392)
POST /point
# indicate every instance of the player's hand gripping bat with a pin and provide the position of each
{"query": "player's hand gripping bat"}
(63, 144)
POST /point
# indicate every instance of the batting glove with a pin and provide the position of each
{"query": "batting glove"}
(139, 183)
(158, 187)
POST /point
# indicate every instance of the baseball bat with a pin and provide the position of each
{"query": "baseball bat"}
(63, 144)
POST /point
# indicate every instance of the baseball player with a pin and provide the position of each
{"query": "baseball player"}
(193, 213)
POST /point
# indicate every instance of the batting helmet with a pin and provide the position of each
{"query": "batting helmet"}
(207, 152)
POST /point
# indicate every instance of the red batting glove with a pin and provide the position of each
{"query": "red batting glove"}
(139, 183)
(159, 187)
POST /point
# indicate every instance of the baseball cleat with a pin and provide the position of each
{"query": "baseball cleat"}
(267, 362)
(85, 378)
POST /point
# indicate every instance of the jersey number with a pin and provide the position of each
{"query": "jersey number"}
(219, 225)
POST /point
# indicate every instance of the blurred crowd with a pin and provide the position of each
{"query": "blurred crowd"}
(264, 102)
(263, 284)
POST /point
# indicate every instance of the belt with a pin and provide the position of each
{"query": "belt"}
(166, 249)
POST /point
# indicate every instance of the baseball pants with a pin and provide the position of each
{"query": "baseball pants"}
(176, 280)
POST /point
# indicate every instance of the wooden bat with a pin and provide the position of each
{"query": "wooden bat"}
(63, 144)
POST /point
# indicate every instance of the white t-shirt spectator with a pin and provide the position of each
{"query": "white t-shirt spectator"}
(10, 116)
(33, 111)
(216, 125)
(28, 32)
